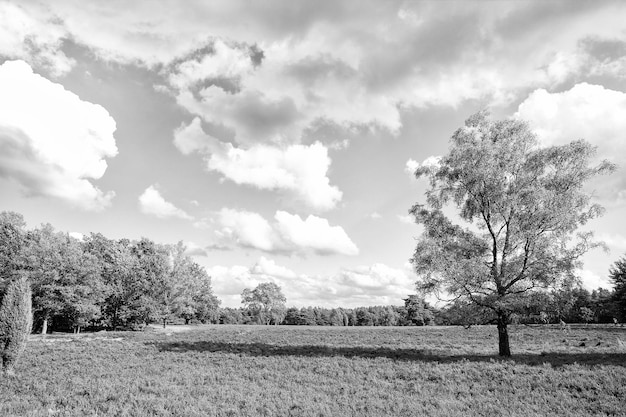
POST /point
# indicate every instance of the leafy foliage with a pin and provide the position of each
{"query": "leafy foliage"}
(521, 205)
(617, 275)
(15, 321)
(266, 303)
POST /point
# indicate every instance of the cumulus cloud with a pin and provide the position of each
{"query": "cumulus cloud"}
(406, 218)
(51, 141)
(376, 284)
(265, 266)
(288, 233)
(615, 242)
(299, 170)
(193, 249)
(352, 63)
(152, 202)
(430, 163)
(585, 111)
(314, 233)
(33, 37)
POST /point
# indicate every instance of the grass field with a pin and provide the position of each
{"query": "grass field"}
(321, 371)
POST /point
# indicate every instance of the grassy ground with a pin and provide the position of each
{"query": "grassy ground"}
(330, 371)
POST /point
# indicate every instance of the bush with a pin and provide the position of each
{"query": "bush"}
(15, 322)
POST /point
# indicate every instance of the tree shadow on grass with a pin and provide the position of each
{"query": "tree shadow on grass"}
(556, 359)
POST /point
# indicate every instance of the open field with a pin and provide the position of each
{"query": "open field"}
(321, 371)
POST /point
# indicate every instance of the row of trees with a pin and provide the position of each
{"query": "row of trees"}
(415, 312)
(101, 282)
(572, 304)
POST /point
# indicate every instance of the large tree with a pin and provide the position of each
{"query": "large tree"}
(518, 207)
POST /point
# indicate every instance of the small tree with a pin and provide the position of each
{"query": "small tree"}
(521, 205)
(15, 322)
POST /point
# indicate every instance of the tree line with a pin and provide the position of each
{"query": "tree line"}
(569, 303)
(98, 282)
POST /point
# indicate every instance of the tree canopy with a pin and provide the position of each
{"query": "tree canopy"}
(518, 207)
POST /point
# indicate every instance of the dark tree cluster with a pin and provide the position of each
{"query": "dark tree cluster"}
(415, 312)
(570, 304)
(98, 282)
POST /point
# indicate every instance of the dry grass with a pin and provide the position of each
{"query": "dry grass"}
(309, 371)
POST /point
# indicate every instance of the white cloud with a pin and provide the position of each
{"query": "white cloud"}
(375, 215)
(431, 163)
(299, 170)
(193, 249)
(376, 284)
(411, 166)
(592, 281)
(314, 233)
(406, 218)
(247, 229)
(615, 242)
(265, 266)
(51, 141)
(289, 233)
(152, 202)
(591, 112)
(77, 235)
(33, 37)
(224, 62)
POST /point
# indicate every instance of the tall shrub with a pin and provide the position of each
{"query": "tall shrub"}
(15, 322)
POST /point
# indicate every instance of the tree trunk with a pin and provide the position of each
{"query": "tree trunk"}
(503, 334)
(44, 327)
(164, 320)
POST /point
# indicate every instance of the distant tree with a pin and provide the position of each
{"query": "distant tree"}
(417, 311)
(587, 315)
(15, 321)
(266, 303)
(617, 275)
(522, 205)
(229, 315)
(364, 317)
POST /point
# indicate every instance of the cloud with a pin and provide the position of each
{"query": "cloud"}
(615, 242)
(247, 229)
(314, 233)
(51, 141)
(265, 266)
(592, 281)
(365, 285)
(223, 61)
(270, 73)
(34, 38)
(430, 163)
(289, 233)
(299, 170)
(585, 111)
(193, 249)
(375, 215)
(151, 202)
(406, 218)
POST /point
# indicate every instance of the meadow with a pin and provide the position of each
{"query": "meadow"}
(230, 370)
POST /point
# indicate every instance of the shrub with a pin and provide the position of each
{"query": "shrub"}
(15, 322)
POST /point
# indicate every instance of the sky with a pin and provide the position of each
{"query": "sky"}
(277, 139)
